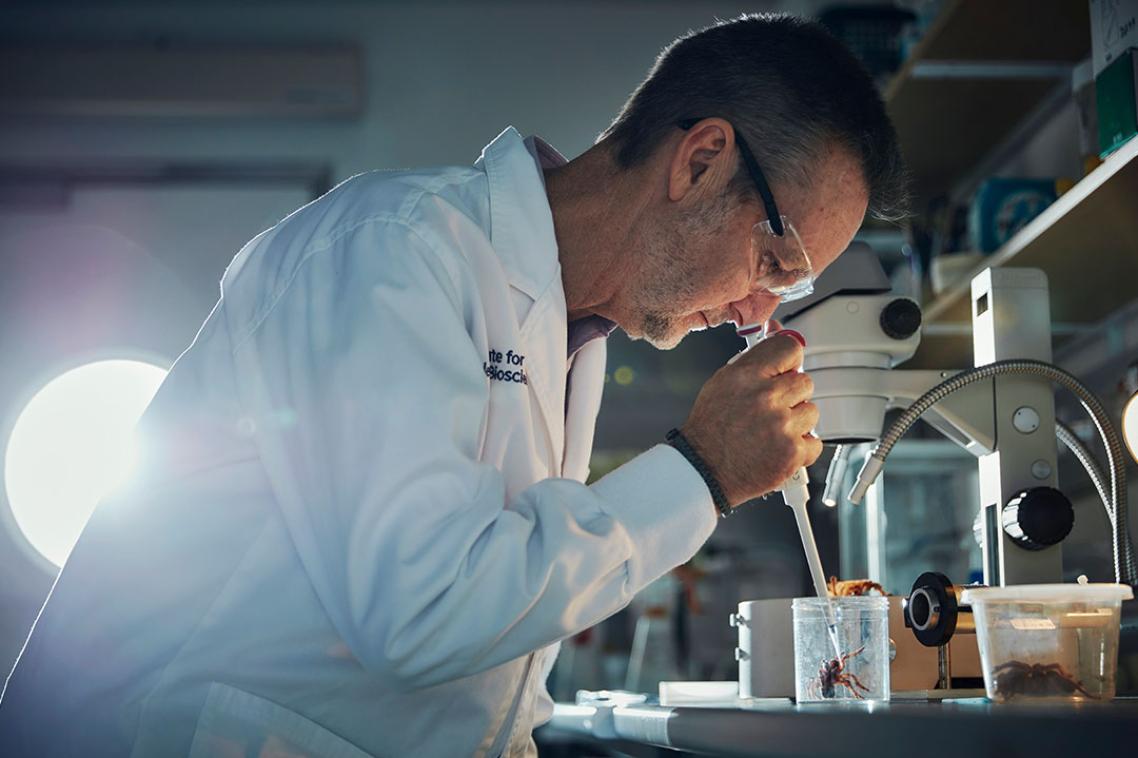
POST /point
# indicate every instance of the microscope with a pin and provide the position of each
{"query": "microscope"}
(1002, 411)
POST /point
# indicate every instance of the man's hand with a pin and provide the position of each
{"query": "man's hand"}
(751, 422)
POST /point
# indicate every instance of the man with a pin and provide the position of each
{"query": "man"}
(361, 525)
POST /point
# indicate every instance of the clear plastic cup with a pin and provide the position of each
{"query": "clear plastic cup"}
(861, 673)
(1048, 641)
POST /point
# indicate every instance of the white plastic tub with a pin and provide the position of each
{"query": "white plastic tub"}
(1048, 641)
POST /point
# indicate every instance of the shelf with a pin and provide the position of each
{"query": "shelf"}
(1086, 242)
(982, 69)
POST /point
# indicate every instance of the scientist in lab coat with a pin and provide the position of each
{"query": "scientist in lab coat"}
(360, 526)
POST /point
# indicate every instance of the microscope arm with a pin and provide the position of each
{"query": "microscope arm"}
(965, 417)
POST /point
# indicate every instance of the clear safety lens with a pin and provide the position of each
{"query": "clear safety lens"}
(784, 267)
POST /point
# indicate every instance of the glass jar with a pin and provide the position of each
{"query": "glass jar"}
(850, 665)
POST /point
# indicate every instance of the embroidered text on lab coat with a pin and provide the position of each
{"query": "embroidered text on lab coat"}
(513, 371)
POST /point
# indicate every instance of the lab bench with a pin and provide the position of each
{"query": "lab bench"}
(967, 727)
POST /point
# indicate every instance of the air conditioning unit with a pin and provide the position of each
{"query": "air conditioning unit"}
(181, 80)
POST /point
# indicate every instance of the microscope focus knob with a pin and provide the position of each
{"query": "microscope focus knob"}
(1038, 517)
(932, 609)
(901, 318)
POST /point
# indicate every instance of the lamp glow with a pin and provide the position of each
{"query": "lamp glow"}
(72, 444)
(1130, 425)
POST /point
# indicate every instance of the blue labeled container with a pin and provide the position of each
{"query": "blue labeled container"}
(1001, 207)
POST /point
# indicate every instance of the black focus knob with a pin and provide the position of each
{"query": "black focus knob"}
(901, 318)
(932, 610)
(1037, 518)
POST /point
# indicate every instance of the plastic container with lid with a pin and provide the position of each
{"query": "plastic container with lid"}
(862, 637)
(1048, 641)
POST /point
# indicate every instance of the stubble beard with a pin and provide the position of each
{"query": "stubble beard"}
(674, 272)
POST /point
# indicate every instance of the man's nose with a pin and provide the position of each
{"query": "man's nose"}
(757, 307)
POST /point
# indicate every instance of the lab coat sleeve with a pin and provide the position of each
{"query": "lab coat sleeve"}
(368, 398)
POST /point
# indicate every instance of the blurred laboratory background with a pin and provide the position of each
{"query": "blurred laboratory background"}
(142, 143)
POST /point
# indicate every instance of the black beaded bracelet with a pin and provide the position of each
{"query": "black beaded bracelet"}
(676, 439)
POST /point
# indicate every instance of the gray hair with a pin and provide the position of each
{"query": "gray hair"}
(790, 89)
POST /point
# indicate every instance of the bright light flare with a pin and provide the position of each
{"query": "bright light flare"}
(71, 445)
(1130, 426)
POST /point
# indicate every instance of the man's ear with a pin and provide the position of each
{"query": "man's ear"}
(701, 157)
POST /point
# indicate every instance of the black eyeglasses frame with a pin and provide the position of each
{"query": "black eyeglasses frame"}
(756, 173)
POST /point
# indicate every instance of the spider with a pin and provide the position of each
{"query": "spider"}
(853, 587)
(833, 673)
(1018, 678)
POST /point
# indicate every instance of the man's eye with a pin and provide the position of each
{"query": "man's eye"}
(771, 266)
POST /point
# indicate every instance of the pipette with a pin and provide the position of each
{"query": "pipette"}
(796, 494)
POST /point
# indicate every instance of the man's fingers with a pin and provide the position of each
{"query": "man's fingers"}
(791, 388)
(805, 417)
(813, 447)
(774, 355)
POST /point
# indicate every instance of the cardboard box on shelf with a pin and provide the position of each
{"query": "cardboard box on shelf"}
(1114, 29)
(1083, 91)
(1116, 97)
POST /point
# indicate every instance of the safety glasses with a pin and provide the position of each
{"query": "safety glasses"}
(784, 268)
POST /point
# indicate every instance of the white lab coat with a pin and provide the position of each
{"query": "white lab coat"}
(361, 508)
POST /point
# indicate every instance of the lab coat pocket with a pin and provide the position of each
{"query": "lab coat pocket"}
(238, 724)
